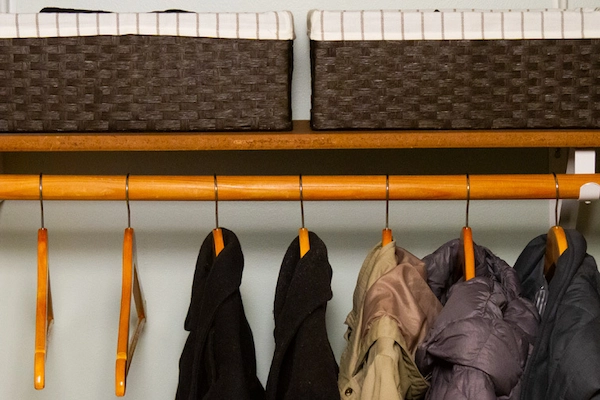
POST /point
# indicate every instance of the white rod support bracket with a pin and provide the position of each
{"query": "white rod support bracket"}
(589, 192)
(584, 161)
(581, 161)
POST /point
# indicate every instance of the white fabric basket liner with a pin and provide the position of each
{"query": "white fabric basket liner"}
(453, 24)
(274, 25)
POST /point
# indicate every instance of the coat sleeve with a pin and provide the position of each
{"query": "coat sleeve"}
(387, 369)
(382, 371)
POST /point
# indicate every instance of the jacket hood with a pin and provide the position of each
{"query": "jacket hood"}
(444, 269)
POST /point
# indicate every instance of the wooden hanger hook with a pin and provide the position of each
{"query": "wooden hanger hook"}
(303, 232)
(386, 234)
(466, 238)
(219, 243)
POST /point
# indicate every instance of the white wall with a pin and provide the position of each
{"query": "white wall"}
(85, 237)
(85, 249)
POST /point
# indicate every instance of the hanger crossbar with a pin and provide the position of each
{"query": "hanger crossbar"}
(282, 188)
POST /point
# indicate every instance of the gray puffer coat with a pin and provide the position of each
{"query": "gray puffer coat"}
(479, 344)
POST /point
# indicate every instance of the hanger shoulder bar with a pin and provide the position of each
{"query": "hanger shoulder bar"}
(44, 312)
(282, 188)
(131, 288)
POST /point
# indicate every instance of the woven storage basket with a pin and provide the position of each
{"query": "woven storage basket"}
(145, 83)
(455, 83)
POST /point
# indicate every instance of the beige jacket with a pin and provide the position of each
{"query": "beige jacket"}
(393, 311)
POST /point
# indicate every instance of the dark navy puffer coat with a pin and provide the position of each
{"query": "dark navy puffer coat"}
(479, 344)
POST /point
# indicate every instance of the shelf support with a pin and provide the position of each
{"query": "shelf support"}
(580, 161)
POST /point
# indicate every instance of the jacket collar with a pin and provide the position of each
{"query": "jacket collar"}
(405, 318)
(215, 279)
(530, 267)
(378, 262)
(444, 270)
(304, 285)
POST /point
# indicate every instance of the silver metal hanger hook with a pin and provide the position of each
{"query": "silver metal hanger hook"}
(216, 202)
(127, 201)
(301, 200)
(557, 199)
(387, 201)
(468, 201)
(42, 201)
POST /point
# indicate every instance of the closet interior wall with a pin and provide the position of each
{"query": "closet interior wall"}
(85, 237)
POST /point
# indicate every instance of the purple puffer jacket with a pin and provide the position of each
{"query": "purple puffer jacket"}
(478, 345)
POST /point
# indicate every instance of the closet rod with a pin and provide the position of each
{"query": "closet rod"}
(257, 188)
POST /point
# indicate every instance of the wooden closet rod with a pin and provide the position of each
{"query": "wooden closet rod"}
(255, 188)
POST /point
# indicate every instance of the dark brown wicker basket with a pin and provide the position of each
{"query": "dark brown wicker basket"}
(456, 84)
(135, 83)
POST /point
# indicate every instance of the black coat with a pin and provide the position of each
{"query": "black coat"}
(218, 361)
(565, 363)
(303, 367)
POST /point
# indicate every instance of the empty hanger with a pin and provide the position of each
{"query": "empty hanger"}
(303, 232)
(466, 240)
(386, 234)
(130, 287)
(556, 242)
(217, 232)
(44, 314)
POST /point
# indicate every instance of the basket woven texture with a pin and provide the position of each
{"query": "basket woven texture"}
(456, 84)
(137, 83)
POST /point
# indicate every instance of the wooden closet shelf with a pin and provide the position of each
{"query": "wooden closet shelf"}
(300, 138)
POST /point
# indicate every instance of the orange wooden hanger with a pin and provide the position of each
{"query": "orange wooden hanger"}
(386, 234)
(556, 241)
(44, 314)
(466, 239)
(303, 232)
(217, 232)
(130, 287)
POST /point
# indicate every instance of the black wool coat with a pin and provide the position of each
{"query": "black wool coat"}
(565, 363)
(218, 361)
(303, 366)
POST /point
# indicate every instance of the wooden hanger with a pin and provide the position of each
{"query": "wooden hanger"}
(303, 232)
(130, 287)
(386, 234)
(217, 232)
(466, 240)
(44, 314)
(556, 241)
